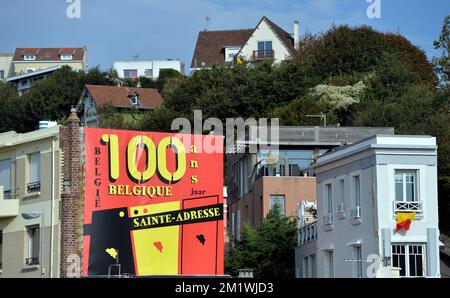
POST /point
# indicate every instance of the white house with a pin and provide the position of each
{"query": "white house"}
(362, 190)
(149, 69)
(267, 41)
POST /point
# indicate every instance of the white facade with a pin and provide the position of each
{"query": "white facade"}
(149, 69)
(264, 33)
(360, 190)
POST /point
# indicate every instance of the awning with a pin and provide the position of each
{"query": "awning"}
(354, 242)
(327, 247)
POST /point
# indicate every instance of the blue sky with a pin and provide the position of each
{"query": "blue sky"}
(116, 30)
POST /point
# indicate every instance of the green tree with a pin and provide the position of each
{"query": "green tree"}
(268, 250)
(352, 50)
(442, 63)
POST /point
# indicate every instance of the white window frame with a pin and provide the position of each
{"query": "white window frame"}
(305, 263)
(31, 241)
(29, 57)
(404, 173)
(407, 255)
(66, 57)
(7, 185)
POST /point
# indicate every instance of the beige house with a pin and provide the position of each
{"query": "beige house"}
(5, 65)
(30, 193)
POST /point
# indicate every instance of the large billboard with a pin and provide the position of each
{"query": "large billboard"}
(153, 203)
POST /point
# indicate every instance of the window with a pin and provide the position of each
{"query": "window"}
(329, 264)
(329, 199)
(358, 265)
(34, 172)
(264, 50)
(312, 261)
(280, 200)
(230, 53)
(5, 177)
(342, 191)
(356, 192)
(148, 73)
(130, 73)
(66, 56)
(29, 57)
(406, 186)
(33, 245)
(91, 102)
(24, 83)
(305, 267)
(2, 74)
(410, 258)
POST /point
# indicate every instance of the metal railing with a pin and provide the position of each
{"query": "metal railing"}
(32, 261)
(408, 207)
(356, 213)
(281, 170)
(34, 187)
(263, 55)
(327, 219)
(307, 233)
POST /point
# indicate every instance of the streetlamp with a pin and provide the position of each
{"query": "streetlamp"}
(34, 215)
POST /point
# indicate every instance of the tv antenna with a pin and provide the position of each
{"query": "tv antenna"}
(207, 18)
(322, 117)
(135, 57)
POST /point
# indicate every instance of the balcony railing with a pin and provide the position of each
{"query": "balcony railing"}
(263, 55)
(307, 233)
(32, 261)
(34, 187)
(408, 207)
(291, 170)
(355, 213)
(327, 219)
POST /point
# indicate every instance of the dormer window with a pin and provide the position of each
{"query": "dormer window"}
(66, 56)
(29, 57)
(230, 53)
(135, 99)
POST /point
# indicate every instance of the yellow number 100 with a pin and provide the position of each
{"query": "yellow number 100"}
(156, 158)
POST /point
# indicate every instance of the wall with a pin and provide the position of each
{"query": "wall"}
(21, 67)
(141, 66)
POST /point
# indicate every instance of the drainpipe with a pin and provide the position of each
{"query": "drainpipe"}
(51, 208)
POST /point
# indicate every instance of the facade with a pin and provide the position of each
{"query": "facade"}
(39, 195)
(26, 60)
(24, 82)
(257, 181)
(5, 65)
(148, 69)
(30, 194)
(120, 97)
(267, 41)
(363, 190)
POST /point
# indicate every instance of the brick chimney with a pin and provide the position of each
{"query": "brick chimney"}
(71, 197)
